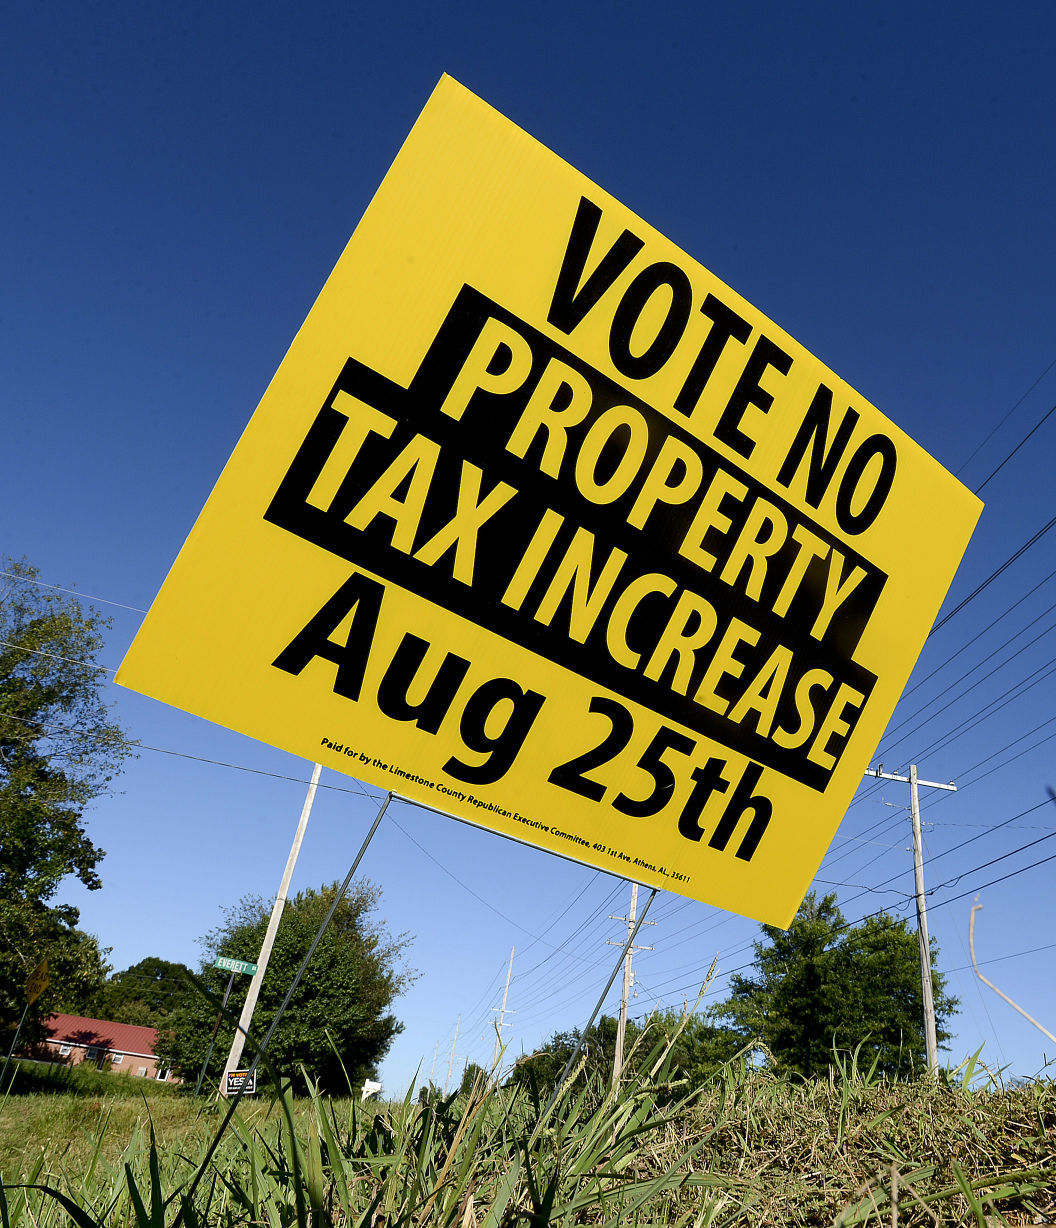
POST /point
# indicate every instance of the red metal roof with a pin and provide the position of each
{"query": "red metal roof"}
(119, 1037)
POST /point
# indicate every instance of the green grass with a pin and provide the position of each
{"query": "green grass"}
(748, 1148)
(28, 1078)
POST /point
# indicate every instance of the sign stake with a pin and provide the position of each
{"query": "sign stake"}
(14, 1045)
(185, 1202)
(216, 1028)
(631, 936)
(38, 981)
(315, 941)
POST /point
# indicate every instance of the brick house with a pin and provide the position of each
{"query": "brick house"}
(122, 1048)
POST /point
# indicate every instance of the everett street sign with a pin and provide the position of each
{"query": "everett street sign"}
(234, 965)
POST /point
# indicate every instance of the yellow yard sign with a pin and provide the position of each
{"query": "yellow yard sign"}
(37, 981)
(542, 524)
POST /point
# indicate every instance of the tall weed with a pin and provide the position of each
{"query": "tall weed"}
(748, 1147)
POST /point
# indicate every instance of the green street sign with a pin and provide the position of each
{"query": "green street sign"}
(234, 965)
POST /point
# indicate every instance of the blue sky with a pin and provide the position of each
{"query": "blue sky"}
(878, 180)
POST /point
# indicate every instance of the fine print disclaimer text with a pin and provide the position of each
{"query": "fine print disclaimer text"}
(459, 795)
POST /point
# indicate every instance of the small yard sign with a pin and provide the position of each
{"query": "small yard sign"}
(241, 1080)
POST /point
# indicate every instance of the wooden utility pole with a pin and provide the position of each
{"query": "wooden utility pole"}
(628, 980)
(239, 1040)
(927, 989)
(502, 1017)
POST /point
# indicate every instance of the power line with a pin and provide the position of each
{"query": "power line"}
(1001, 751)
(110, 669)
(1012, 758)
(980, 446)
(978, 682)
(997, 959)
(963, 844)
(994, 881)
(981, 662)
(1044, 418)
(1011, 827)
(963, 772)
(72, 591)
(895, 922)
(994, 575)
(1015, 605)
(969, 723)
(882, 912)
(981, 714)
(361, 791)
(956, 848)
(555, 950)
(39, 652)
(465, 886)
(952, 882)
(523, 978)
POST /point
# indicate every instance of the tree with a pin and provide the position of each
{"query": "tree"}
(473, 1076)
(823, 983)
(59, 751)
(700, 1044)
(541, 1070)
(339, 1019)
(146, 993)
(77, 965)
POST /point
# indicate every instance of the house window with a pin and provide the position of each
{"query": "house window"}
(116, 1059)
(162, 1074)
(93, 1054)
(64, 1050)
(142, 1070)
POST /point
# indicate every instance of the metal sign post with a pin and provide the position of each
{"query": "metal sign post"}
(37, 982)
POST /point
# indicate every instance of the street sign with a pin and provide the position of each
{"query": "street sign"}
(234, 965)
(541, 524)
(244, 1080)
(39, 979)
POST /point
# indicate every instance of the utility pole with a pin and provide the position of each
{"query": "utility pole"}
(451, 1060)
(923, 938)
(628, 978)
(502, 1017)
(239, 1040)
